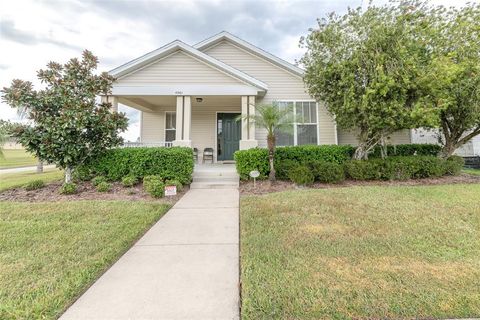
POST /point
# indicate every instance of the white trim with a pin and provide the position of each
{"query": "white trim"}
(215, 150)
(224, 35)
(318, 123)
(179, 45)
(132, 104)
(186, 90)
(141, 125)
(165, 126)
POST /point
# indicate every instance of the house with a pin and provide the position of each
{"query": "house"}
(469, 149)
(193, 96)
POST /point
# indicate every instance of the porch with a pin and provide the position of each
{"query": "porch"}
(219, 122)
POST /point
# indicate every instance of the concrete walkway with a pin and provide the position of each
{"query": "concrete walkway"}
(184, 267)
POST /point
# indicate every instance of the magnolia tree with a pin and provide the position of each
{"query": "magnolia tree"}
(364, 65)
(66, 125)
(452, 78)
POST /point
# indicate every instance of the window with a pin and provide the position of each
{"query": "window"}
(170, 123)
(304, 129)
(285, 137)
(306, 119)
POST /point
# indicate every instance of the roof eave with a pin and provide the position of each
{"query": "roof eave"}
(179, 45)
(224, 35)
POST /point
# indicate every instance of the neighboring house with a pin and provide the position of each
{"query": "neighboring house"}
(469, 149)
(192, 96)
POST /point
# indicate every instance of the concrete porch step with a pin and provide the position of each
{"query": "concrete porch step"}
(214, 185)
(214, 179)
(218, 173)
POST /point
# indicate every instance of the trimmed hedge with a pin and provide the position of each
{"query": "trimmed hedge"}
(408, 150)
(252, 159)
(154, 186)
(291, 156)
(327, 172)
(301, 175)
(257, 158)
(104, 186)
(169, 163)
(402, 168)
(34, 185)
(68, 188)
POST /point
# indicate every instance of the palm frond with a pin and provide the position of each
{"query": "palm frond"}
(272, 118)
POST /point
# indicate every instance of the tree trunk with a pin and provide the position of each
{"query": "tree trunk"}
(68, 174)
(39, 166)
(448, 148)
(271, 156)
(361, 152)
(383, 148)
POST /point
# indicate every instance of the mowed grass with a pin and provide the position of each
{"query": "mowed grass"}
(362, 252)
(16, 158)
(13, 180)
(51, 252)
(475, 172)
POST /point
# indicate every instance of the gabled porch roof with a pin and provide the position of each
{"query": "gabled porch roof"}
(177, 45)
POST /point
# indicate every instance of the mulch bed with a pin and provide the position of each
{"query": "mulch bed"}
(85, 191)
(264, 186)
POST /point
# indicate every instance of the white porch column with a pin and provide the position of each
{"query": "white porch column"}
(251, 112)
(187, 118)
(183, 123)
(244, 118)
(113, 100)
(248, 127)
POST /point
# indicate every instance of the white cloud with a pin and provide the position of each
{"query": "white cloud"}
(35, 32)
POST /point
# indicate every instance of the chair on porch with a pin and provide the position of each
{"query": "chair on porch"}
(207, 154)
(195, 155)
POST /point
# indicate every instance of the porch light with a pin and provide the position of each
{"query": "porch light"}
(199, 100)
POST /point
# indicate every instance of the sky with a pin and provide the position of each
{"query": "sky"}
(32, 33)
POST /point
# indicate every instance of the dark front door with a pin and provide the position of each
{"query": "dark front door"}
(228, 135)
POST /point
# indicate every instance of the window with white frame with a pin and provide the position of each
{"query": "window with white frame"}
(170, 124)
(304, 129)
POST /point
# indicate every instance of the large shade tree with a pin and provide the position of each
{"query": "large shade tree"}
(452, 77)
(364, 66)
(66, 126)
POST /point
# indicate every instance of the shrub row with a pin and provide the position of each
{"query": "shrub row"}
(413, 149)
(257, 158)
(286, 157)
(391, 168)
(403, 168)
(174, 163)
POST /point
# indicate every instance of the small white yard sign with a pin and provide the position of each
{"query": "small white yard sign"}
(170, 190)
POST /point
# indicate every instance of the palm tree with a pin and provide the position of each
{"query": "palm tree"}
(273, 118)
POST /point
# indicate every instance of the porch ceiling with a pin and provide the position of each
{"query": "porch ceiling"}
(151, 103)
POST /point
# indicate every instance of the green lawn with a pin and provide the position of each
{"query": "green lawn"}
(12, 180)
(362, 252)
(475, 172)
(16, 158)
(51, 252)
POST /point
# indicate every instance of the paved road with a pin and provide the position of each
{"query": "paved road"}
(185, 267)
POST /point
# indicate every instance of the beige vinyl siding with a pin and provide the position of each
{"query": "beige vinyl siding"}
(177, 68)
(204, 121)
(152, 126)
(349, 137)
(282, 84)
